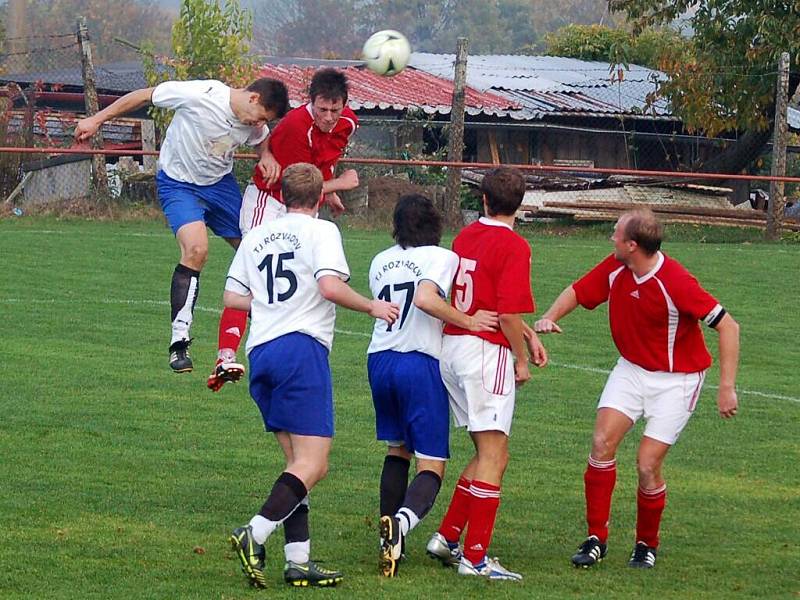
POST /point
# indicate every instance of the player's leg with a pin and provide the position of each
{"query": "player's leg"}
(669, 404)
(619, 407)
(185, 214)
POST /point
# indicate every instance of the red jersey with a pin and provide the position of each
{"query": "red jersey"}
(297, 139)
(494, 273)
(653, 319)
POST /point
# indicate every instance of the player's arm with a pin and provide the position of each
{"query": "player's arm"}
(128, 103)
(428, 299)
(728, 330)
(536, 350)
(566, 302)
(337, 291)
(237, 301)
(348, 180)
(512, 326)
(267, 163)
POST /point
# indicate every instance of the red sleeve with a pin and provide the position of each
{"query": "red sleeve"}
(514, 294)
(593, 288)
(689, 296)
(289, 144)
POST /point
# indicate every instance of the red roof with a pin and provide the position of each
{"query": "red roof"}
(409, 88)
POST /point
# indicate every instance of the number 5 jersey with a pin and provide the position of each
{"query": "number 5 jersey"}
(279, 263)
(394, 276)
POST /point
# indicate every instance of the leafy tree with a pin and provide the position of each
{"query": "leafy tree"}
(616, 46)
(729, 81)
(210, 40)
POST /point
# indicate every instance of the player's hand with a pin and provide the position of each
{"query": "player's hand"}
(727, 402)
(269, 167)
(348, 179)
(521, 372)
(546, 326)
(335, 203)
(86, 128)
(536, 350)
(484, 320)
(387, 311)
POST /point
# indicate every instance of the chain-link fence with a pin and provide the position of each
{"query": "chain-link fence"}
(583, 167)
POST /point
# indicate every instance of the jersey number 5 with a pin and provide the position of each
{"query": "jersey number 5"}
(464, 286)
(280, 272)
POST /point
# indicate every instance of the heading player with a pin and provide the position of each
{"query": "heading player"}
(290, 272)
(411, 413)
(481, 369)
(194, 181)
(318, 133)
(654, 308)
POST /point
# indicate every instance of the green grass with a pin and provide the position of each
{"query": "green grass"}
(119, 479)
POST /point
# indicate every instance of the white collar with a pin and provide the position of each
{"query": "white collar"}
(494, 223)
(651, 273)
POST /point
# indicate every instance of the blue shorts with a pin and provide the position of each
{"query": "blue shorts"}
(290, 382)
(410, 402)
(218, 204)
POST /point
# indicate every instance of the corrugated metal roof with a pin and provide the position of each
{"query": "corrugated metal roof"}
(409, 88)
(553, 85)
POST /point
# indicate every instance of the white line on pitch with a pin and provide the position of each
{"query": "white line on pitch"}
(361, 334)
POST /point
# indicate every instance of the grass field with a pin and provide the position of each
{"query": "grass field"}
(119, 479)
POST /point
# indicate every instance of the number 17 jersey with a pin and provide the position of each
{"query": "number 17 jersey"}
(279, 263)
(394, 276)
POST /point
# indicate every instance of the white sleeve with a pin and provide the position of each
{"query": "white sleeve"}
(329, 256)
(257, 135)
(238, 280)
(441, 269)
(175, 94)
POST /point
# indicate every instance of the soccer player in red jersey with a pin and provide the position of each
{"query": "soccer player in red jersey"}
(654, 309)
(317, 133)
(482, 369)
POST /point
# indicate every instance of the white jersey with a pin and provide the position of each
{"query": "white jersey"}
(279, 263)
(204, 133)
(394, 275)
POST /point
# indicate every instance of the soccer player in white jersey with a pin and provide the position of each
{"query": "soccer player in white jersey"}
(654, 309)
(195, 184)
(290, 273)
(411, 407)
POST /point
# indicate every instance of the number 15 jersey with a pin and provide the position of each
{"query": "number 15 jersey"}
(394, 276)
(279, 263)
(494, 273)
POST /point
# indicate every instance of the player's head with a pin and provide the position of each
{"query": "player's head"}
(267, 100)
(416, 222)
(301, 186)
(503, 189)
(328, 92)
(637, 230)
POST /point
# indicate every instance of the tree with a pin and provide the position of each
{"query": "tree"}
(729, 81)
(617, 46)
(210, 40)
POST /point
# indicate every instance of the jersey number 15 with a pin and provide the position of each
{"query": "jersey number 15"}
(279, 272)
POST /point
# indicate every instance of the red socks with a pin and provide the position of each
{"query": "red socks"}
(599, 480)
(650, 505)
(457, 513)
(482, 514)
(232, 325)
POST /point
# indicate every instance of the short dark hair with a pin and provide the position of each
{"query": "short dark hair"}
(416, 222)
(642, 227)
(329, 83)
(504, 188)
(301, 185)
(273, 94)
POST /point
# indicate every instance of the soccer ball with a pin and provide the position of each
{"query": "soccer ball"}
(386, 52)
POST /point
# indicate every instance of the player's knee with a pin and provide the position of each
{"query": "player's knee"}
(649, 472)
(195, 255)
(603, 447)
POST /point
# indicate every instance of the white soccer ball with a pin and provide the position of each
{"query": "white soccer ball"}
(386, 52)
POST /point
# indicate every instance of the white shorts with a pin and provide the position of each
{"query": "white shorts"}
(479, 377)
(258, 207)
(665, 400)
